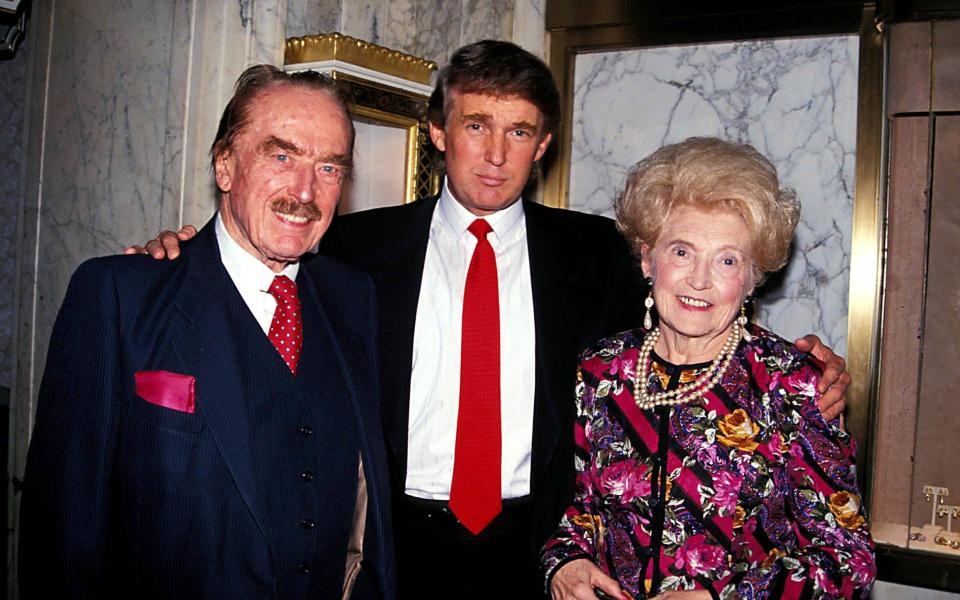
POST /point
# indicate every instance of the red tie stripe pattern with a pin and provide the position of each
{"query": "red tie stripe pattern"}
(286, 329)
(475, 489)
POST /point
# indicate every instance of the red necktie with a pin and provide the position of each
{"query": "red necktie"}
(475, 489)
(286, 333)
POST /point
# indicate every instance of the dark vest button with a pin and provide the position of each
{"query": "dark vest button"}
(306, 431)
(303, 569)
(307, 523)
(307, 476)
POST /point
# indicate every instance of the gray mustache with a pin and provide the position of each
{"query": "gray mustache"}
(298, 209)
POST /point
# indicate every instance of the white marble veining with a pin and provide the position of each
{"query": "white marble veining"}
(793, 99)
(312, 17)
(364, 19)
(266, 26)
(529, 26)
(486, 19)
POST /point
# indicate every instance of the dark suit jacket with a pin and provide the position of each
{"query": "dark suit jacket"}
(124, 496)
(585, 286)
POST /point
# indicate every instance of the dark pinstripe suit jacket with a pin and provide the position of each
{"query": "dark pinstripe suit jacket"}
(106, 467)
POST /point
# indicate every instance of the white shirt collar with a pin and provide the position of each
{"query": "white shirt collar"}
(247, 272)
(505, 222)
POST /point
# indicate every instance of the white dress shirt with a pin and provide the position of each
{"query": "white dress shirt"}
(251, 277)
(435, 379)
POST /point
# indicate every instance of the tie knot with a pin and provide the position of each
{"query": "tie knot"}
(480, 228)
(283, 288)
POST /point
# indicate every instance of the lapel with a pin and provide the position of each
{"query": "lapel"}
(327, 331)
(398, 279)
(208, 347)
(550, 274)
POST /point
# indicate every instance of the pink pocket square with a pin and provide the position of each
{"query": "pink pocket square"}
(166, 389)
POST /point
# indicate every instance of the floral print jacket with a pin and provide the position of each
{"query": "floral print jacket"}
(760, 497)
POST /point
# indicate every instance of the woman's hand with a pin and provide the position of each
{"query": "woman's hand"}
(577, 579)
(685, 595)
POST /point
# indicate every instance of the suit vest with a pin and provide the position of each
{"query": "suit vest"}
(306, 447)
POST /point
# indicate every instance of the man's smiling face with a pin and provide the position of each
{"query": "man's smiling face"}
(280, 180)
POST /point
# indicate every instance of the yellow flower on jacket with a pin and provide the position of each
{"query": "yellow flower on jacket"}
(594, 527)
(772, 557)
(739, 515)
(738, 431)
(591, 523)
(846, 508)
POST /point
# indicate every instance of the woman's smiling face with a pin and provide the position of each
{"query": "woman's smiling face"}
(702, 270)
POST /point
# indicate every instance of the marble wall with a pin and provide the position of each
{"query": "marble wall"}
(431, 29)
(793, 99)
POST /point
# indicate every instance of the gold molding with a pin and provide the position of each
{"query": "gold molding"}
(336, 46)
(865, 298)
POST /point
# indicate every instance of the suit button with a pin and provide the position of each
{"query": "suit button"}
(306, 431)
(307, 476)
(307, 523)
(303, 569)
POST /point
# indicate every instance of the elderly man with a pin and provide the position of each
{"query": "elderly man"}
(485, 302)
(208, 428)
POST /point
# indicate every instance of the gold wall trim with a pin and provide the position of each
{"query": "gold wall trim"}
(865, 298)
(336, 46)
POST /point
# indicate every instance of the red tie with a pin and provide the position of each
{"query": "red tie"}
(475, 490)
(286, 333)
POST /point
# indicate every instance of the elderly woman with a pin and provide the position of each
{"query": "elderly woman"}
(704, 469)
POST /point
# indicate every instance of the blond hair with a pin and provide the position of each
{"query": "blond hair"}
(710, 174)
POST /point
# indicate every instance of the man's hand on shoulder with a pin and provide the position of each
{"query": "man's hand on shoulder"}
(165, 245)
(835, 379)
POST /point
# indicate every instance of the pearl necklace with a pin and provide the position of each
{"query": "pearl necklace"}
(685, 393)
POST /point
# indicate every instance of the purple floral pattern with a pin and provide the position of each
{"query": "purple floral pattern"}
(761, 493)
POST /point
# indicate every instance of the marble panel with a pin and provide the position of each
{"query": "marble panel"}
(365, 19)
(429, 29)
(439, 29)
(266, 24)
(487, 19)
(312, 17)
(205, 67)
(793, 99)
(398, 30)
(529, 26)
(13, 92)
